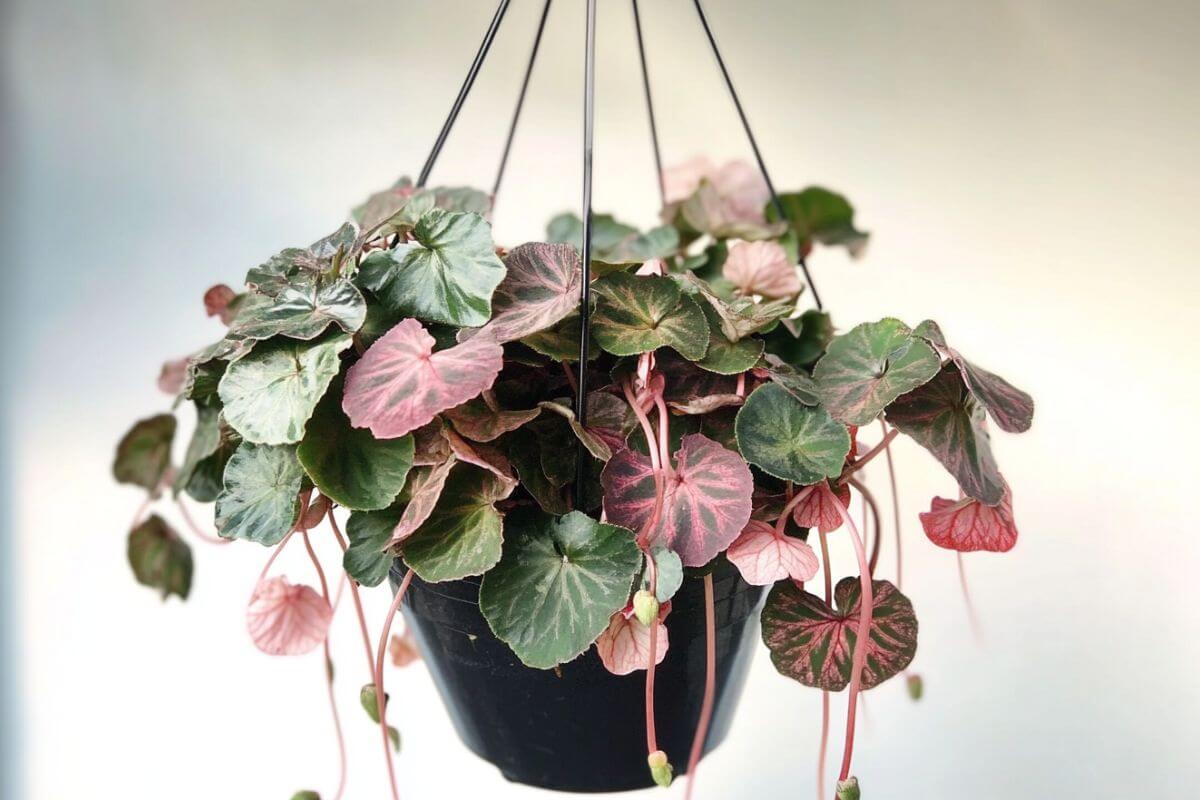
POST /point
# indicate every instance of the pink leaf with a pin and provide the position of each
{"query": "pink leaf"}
(286, 619)
(539, 290)
(761, 268)
(743, 190)
(970, 525)
(425, 486)
(819, 509)
(172, 376)
(481, 455)
(764, 556)
(403, 650)
(400, 384)
(706, 501)
(217, 300)
(681, 180)
(624, 646)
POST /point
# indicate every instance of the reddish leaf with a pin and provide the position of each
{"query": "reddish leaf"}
(970, 525)
(424, 487)
(429, 445)
(403, 650)
(287, 619)
(400, 384)
(217, 302)
(706, 501)
(540, 289)
(761, 268)
(172, 376)
(764, 556)
(624, 646)
(814, 644)
(819, 509)
(481, 455)
(480, 420)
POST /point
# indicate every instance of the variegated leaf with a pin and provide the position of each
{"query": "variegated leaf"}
(789, 440)
(761, 268)
(624, 646)
(969, 525)
(540, 289)
(638, 314)
(820, 508)
(764, 556)
(463, 533)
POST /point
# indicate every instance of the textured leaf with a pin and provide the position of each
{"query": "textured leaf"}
(369, 557)
(561, 341)
(764, 556)
(869, 367)
(463, 534)
(614, 242)
(206, 479)
(540, 290)
(706, 500)
(1011, 408)
(206, 440)
(814, 644)
(425, 485)
(481, 455)
(820, 508)
(400, 384)
(302, 309)
(761, 268)
(624, 646)
(270, 394)
(447, 274)
(726, 357)
(524, 451)
(160, 558)
(789, 440)
(482, 420)
(723, 216)
(969, 525)
(286, 619)
(798, 384)
(801, 342)
(557, 585)
(349, 465)
(144, 452)
(820, 215)
(294, 263)
(740, 316)
(260, 500)
(640, 314)
(946, 420)
(610, 420)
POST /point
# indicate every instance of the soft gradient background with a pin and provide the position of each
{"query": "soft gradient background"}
(1029, 171)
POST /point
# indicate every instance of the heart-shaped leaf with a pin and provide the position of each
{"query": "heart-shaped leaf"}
(540, 289)
(820, 508)
(706, 499)
(624, 646)
(144, 452)
(270, 394)
(720, 214)
(303, 308)
(638, 314)
(369, 556)
(864, 370)
(819, 215)
(814, 644)
(764, 556)
(789, 440)
(557, 585)
(260, 501)
(294, 263)
(1011, 408)
(969, 525)
(349, 465)
(761, 268)
(482, 419)
(945, 419)
(287, 619)
(560, 342)
(425, 485)
(463, 534)
(160, 558)
(400, 384)
(726, 357)
(447, 274)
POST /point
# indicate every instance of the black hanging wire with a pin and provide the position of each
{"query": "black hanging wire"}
(512, 128)
(753, 143)
(463, 91)
(637, 25)
(585, 333)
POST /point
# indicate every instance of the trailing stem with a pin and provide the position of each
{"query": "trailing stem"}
(196, 531)
(358, 608)
(797, 499)
(869, 456)
(380, 695)
(869, 503)
(866, 606)
(651, 734)
(337, 719)
(895, 506)
(827, 569)
(710, 676)
(972, 618)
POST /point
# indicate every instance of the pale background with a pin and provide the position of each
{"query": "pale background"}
(1029, 170)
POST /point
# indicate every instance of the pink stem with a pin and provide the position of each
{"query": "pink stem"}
(869, 503)
(358, 608)
(710, 677)
(651, 734)
(664, 436)
(866, 606)
(141, 512)
(191, 523)
(828, 570)
(380, 696)
(976, 629)
(337, 719)
(797, 499)
(274, 555)
(644, 421)
(866, 459)
(740, 391)
(570, 377)
(895, 507)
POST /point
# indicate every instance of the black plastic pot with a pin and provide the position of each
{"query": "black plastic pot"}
(580, 728)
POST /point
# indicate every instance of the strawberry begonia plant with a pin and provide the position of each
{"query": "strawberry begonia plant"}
(408, 370)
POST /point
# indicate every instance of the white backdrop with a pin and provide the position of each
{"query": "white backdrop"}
(1028, 172)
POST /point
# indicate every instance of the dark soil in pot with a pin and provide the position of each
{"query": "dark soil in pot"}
(580, 728)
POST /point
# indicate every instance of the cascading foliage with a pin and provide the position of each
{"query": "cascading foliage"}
(410, 371)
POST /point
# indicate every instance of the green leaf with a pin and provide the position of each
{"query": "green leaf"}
(304, 307)
(789, 440)
(817, 214)
(798, 384)
(607, 233)
(306, 794)
(670, 573)
(945, 419)
(206, 479)
(448, 274)
(801, 344)
(738, 317)
(294, 263)
(560, 341)
(260, 500)
(206, 440)
(368, 558)
(463, 534)
(160, 559)
(370, 703)
(144, 452)
(706, 211)
(864, 370)
(726, 357)
(349, 465)
(640, 314)
(523, 448)
(270, 394)
(557, 584)
(482, 420)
